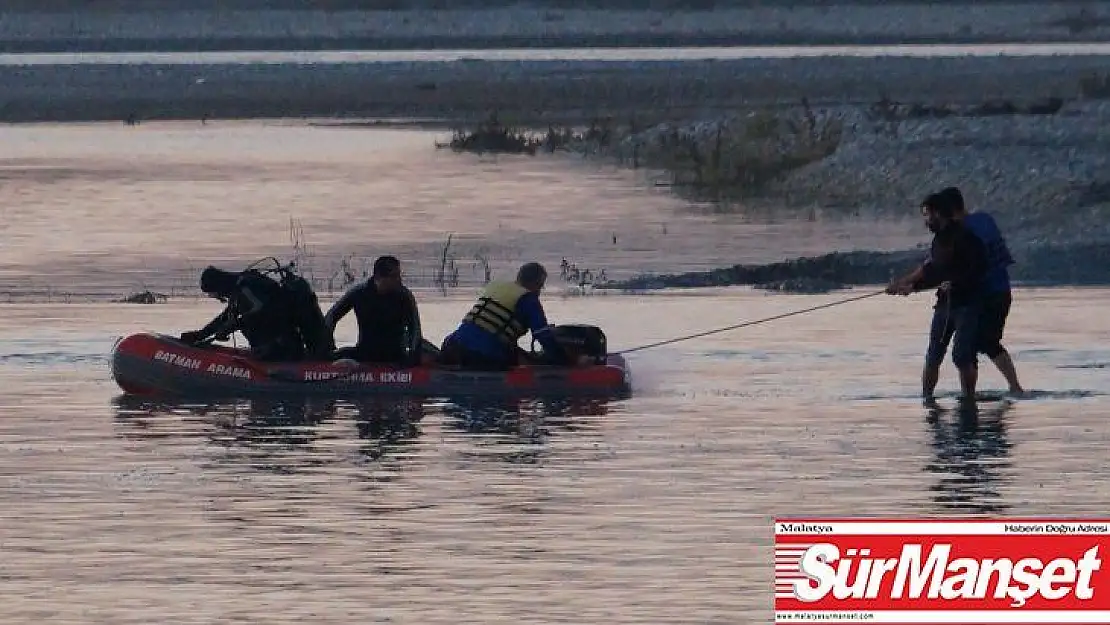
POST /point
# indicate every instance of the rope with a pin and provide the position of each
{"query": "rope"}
(750, 323)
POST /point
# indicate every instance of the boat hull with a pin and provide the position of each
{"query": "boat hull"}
(160, 365)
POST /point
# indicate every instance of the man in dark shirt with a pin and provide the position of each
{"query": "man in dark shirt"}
(388, 319)
(958, 265)
(997, 297)
(256, 306)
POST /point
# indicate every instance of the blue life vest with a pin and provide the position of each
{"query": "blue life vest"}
(983, 226)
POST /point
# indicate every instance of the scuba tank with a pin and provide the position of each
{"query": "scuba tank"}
(304, 307)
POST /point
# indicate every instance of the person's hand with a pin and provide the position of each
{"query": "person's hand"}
(583, 361)
(190, 338)
(899, 288)
(346, 363)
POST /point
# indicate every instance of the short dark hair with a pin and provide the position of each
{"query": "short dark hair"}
(386, 266)
(938, 203)
(531, 274)
(217, 281)
(954, 198)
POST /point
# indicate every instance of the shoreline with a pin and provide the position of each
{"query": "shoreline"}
(880, 167)
(835, 271)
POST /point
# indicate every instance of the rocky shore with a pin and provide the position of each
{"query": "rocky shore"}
(1040, 170)
(523, 92)
(129, 25)
(1083, 264)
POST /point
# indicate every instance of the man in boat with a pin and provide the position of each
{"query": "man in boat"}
(388, 318)
(260, 308)
(506, 311)
(957, 264)
(997, 296)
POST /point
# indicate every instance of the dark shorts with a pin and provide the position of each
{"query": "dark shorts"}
(996, 308)
(961, 323)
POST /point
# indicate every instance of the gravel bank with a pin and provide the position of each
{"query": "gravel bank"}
(122, 26)
(536, 92)
(1043, 177)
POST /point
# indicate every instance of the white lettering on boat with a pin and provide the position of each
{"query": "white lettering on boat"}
(177, 359)
(385, 377)
(235, 372)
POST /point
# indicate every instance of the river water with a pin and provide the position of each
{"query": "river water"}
(654, 509)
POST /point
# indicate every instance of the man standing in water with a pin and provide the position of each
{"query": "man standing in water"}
(997, 296)
(957, 264)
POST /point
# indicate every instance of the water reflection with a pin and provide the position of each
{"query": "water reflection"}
(518, 431)
(284, 435)
(294, 435)
(971, 452)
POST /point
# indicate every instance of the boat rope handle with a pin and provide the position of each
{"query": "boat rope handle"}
(749, 323)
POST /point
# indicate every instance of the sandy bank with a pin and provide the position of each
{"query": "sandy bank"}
(120, 27)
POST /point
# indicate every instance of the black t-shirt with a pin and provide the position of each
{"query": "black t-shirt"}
(956, 256)
(383, 318)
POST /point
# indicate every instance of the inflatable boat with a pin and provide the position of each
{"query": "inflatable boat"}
(160, 365)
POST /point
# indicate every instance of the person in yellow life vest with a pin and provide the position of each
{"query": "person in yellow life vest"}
(506, 311)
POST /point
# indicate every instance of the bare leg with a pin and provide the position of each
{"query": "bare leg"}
(969, 377)
(930, 375)
(1006, 367)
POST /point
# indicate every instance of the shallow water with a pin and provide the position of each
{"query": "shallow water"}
(648, 510)
(654, 509)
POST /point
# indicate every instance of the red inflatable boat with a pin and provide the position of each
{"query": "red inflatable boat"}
(155, 364)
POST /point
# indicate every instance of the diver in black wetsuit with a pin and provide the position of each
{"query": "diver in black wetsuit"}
(388, 318)
(269, 315)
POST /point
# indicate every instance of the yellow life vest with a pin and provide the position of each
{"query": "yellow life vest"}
(495, 311)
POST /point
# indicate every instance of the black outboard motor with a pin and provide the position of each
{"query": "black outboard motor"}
(583, 340)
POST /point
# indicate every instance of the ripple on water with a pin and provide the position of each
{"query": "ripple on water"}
(652, 509)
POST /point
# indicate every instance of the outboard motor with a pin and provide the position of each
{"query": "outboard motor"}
(583, 340)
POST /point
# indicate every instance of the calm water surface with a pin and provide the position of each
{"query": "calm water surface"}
(105, 208)
(654, 509)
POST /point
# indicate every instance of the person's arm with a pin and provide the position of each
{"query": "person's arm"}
(221, 326)
(932, 275)
(906, 281)
(340, 309)
(532, 312)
